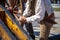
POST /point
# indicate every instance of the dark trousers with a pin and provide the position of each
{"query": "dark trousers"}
(29, 28)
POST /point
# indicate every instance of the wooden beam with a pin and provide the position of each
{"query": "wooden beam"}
(4, 34)
(9, 21)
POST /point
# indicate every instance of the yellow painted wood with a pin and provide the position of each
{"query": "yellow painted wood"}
(13, 27)
(1, 9)
(4, 34)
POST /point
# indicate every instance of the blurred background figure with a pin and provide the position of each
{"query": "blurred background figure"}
(55, 1)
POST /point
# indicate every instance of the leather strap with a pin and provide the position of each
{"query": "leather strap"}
(48, 19)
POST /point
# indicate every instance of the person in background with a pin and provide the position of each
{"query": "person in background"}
(27, 25)
(44, 15)
(2, 2)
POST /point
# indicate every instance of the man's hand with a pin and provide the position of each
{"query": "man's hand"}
(22, 19)
(10, 9)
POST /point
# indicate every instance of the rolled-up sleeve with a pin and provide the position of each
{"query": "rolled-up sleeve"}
(39, 12)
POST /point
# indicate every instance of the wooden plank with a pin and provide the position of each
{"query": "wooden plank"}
(4, 34)
(7, 30)
(14, 26)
